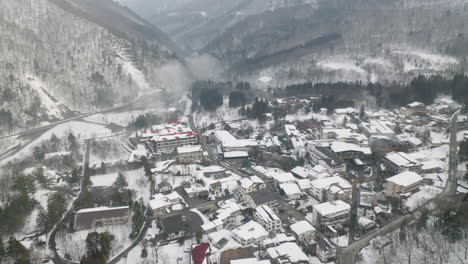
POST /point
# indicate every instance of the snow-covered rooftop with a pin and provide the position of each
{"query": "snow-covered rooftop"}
(249, 261)
(250, 230)
(302, 227)
(236, 154)
(290, 250)
(290, 188)
(401, 159)
(283, 177)
(406, 178)
(189, 149)
(329, 208)
(100, 209)
(265, 213)
(339, 146)
(325, 183)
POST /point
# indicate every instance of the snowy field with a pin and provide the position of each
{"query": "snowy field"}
(121, 118)
(81, 130)
(172, 253)
(107, 150)
(136, 180)
(223, 113)
(74, 243)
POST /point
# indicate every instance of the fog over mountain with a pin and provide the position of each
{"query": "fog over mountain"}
(294, 41)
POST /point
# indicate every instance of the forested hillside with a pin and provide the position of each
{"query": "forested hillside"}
(357, 40)
(195, 23)
(58, 57)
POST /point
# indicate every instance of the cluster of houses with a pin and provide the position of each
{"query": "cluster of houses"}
(379, 158)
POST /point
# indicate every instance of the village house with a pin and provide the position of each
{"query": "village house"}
(403, 185)
(335, 213)
(330, 189)
(415, 108)
(324, 157)
(164, 187)
(226, 142)
(326, 250)
(291, 191)
(288, 252)
(162, 204)
(397, 162)
(250, 184)
(378, 128)
(250, 233)
(262, 197)
(267, 218)
(348, 151)
(190, 154)
(100, 216)
(304, 231)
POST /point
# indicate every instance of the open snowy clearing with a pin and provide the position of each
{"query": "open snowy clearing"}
(81, 130)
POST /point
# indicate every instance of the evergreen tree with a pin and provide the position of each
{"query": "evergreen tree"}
(54, 142)
(105, 242)
(17, 251)
(38, 153)
(73, 145)
(361, 112)
(56, 205)
(25, 184)
(2, 249)
(41, 178)
(75, 175)
(103, 168)
(42, 221)
(120, 182)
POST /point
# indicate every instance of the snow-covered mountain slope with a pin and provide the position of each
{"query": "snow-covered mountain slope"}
(351, 40)
(195, 23)
(58, 56)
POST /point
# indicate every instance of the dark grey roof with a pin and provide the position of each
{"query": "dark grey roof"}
(164, 184)
(221, 243)
(263, 197)
(325, 244)
(173, 224)
(85, 218)
(330, 157)
(216, 174)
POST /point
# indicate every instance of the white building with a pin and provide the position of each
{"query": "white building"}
(397, 162)
(190, 154)
(226, 142)
(378, 127)
(166, 138)
(331, 213)
(291, 191)
(250, 233)
(331, 188)
(303, 230)
(227, 217)
(403, 185)
(161, 204)
(326, 250)
(283, 177)
(267, 218)
(288, 252)
(92, 217)
(251, 184)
